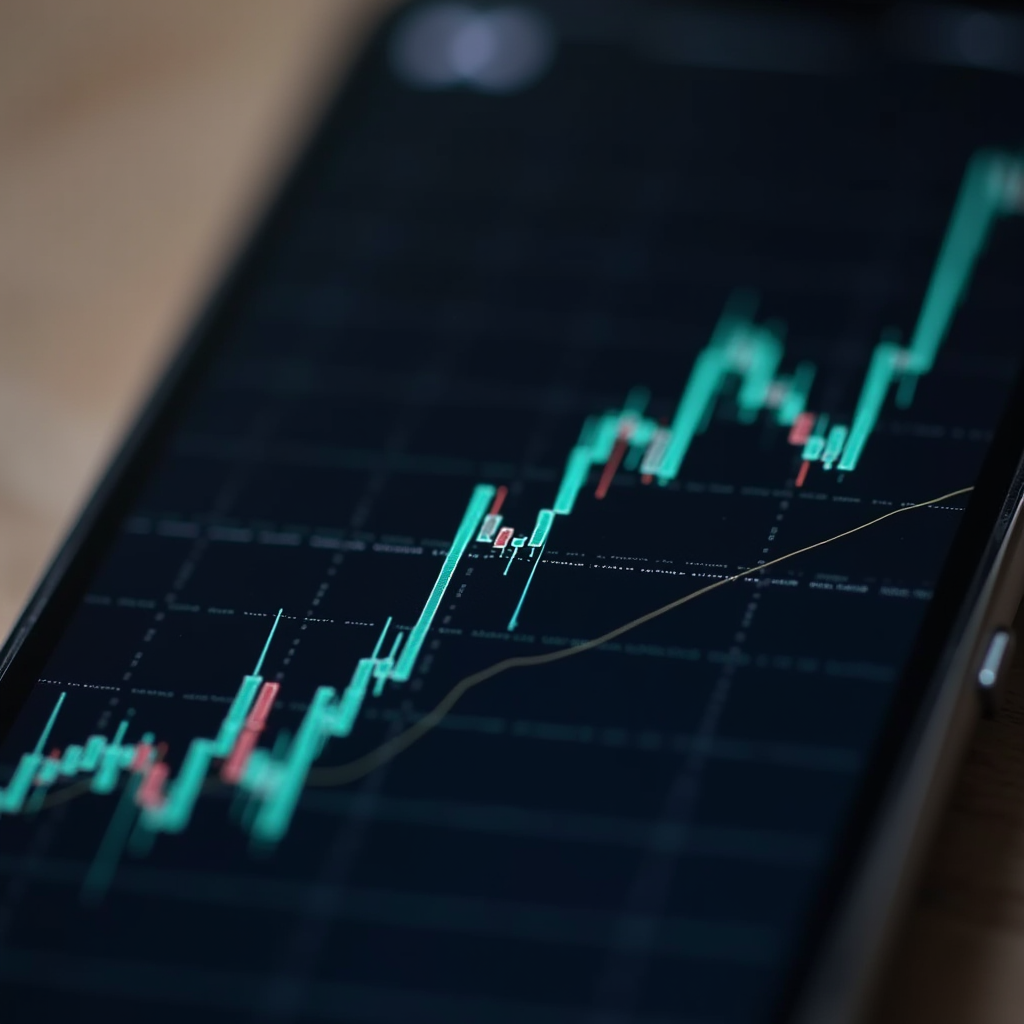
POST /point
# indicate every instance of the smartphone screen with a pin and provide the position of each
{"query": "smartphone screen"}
(512, 612)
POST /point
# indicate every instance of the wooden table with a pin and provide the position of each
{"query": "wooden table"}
(135, 141)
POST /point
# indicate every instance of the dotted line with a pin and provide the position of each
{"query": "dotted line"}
(78, 686)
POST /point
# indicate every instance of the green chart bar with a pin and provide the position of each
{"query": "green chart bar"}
(272, 779)
(545, 518)
(991, 188)
(479, 503)
(737, 347)
(798, 390)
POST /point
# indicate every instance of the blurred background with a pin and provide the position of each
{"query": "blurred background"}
(137, 141)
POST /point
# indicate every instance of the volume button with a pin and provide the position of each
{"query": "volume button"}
(992, 670)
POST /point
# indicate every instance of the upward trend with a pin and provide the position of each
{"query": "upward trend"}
(12, 799)
(388, 751)
(993, 186)
(739, 351)
(751, 354)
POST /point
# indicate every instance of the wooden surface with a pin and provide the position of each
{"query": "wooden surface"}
(135, 140)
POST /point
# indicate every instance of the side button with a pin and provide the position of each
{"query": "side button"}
(994, 664)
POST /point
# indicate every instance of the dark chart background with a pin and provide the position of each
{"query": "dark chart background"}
(638, 833)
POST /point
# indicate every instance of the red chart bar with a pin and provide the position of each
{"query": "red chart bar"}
(261, 709)
(611, 467)
(504, 536)
(802, 475)
(234, 766)
(499, 500)
(151, 791)
(141, 758)
(802, 427)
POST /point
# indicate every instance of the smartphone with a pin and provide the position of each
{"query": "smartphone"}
(557, 577)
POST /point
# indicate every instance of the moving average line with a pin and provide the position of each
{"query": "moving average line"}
(343, 774)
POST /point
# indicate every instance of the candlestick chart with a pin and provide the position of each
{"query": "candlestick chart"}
(739, 348)
(504, 618)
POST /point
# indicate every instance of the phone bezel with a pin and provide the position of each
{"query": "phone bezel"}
(970, 564)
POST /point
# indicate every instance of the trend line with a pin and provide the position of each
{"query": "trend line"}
(343, 774)
(743, 362)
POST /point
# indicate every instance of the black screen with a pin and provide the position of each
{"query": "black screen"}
(506, 618)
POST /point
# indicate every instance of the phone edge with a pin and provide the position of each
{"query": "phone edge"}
(157, 398)
(842, 981)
